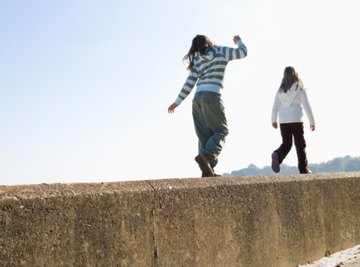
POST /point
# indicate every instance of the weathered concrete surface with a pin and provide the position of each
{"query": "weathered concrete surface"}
(77, 225)
(227, 221)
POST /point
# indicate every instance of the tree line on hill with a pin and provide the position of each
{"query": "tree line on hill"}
(340, 164)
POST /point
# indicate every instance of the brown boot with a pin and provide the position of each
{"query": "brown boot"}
(204, 165)
(215, 174)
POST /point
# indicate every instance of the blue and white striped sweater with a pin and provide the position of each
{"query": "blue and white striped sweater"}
(208, 71)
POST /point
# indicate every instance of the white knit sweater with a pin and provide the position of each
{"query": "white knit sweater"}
(289, 106)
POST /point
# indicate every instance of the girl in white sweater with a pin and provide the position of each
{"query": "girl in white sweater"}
(289, 102)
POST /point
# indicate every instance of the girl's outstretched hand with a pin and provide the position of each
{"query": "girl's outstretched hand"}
(171, 108)
(274, 124)
(236, 39)
(312, 127)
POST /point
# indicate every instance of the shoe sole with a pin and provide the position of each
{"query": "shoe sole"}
(215, 175)
(204, 166)
(275, 162)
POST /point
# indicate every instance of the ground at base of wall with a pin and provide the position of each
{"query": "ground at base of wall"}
(346, 258)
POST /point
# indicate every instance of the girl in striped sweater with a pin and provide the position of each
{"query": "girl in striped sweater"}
(207, 64)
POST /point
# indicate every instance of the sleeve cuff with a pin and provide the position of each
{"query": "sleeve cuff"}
(240, 43)
(178, 101)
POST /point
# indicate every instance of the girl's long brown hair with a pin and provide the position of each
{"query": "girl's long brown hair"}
(290, 77)
(201, 44)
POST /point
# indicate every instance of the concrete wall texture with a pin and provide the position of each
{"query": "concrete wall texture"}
(280, 220)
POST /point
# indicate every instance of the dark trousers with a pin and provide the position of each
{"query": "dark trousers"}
(288, 131)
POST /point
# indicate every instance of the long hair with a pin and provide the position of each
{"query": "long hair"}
(200, 44)
(290, 77)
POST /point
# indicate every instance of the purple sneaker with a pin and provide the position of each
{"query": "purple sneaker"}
(275, 162)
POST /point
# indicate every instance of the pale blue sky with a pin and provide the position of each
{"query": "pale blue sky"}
(85, 85)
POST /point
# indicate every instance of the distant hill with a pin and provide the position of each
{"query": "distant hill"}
(341, 164)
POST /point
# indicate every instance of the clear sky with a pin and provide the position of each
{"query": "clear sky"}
(85, 85)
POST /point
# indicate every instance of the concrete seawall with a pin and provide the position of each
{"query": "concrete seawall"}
(280, 220)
